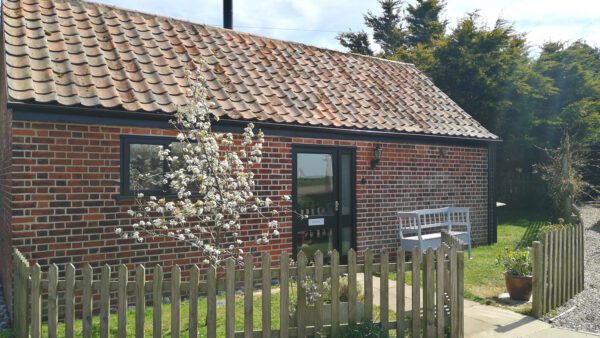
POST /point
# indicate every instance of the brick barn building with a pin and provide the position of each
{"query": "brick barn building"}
(86, 88)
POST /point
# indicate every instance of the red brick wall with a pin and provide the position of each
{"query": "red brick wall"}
(5, 186)
(66, 180)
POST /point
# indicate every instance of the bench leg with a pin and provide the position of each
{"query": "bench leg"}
(469, 244)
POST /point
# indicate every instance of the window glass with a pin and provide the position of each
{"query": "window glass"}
(346, 184)
(315, 184)
(146, 169)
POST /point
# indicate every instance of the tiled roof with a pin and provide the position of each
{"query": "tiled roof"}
(77, 53)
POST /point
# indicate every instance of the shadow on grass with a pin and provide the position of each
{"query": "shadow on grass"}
(531, 220)
(530, 235)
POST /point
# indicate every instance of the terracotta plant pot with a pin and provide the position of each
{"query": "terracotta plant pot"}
(519, 287)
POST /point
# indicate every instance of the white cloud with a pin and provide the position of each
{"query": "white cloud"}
(317, 22)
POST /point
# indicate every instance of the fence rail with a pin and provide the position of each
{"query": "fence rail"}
(441, 311)
(558, 268)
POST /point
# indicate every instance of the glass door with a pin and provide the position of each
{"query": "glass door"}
(323, 191)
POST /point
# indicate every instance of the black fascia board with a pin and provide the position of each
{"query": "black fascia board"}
(49, 112)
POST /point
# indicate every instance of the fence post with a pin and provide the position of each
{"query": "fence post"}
(460, 285)
(538, 284)
(105, 302)
(454, 325)
(368, 284)
(53, 301)
(211, 303)
(383, 284)
(157, 300)
(428, 295)
(554, 263)
(175, 301)
(70, 301)
(87, 307)
(140, 299)
(335, 295)
(248, 295)
(416, 291)
(301, 303)
(123, 274)
(439, 288)
(266, 295)
(352, 296)
(21, 287)
(230, 298)
(581, 253)
(284, 318)
(400, 269)
(36, 301)
(546, 279)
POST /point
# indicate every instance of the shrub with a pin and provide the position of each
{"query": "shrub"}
(563, 176)
(364, 330)
(344, 290)
(515, 262)
(552, 227)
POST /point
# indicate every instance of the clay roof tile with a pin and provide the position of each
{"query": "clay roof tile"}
(74, 52)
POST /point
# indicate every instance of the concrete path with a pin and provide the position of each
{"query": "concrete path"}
(487, 321)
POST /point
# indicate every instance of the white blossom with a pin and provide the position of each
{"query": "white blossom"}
(213, 176)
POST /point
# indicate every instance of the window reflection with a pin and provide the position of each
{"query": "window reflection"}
(312, 240)
(315, 184)
(145, 167)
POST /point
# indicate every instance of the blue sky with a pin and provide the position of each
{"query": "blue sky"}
(316, 22)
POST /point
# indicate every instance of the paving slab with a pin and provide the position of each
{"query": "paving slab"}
(487, 321)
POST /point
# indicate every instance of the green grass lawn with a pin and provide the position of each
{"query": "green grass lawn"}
(184, 318)
(166, 319)
(484, 279)
(6, 334)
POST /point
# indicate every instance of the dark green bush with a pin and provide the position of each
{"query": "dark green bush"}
(364, 330)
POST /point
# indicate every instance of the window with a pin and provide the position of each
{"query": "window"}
(139, 155)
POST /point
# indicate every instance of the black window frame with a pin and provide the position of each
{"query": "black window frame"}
(126, 142)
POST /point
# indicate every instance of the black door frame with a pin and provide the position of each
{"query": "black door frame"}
(336, 150)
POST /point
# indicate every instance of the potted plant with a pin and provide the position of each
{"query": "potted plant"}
(315, 292)
(517, 273)
(344, 306)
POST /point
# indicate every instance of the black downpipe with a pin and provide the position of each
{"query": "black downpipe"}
(228, 14)
(492, 216)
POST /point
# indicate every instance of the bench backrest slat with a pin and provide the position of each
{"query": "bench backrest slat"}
(447, 217)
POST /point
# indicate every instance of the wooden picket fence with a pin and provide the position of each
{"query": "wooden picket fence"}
(439, 272)
(558, 268)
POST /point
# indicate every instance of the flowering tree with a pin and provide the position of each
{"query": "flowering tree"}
(212, 175)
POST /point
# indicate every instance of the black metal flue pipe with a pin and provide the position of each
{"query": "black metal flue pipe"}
(228, 14)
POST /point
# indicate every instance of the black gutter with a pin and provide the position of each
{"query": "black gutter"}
(492, 217)
(26, 111)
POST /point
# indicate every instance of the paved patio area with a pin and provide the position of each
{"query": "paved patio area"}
(488, 321)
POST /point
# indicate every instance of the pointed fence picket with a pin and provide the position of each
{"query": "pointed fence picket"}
(557, 268)
(71, 295)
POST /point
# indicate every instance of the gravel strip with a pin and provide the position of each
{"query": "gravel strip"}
(586, 315)
(4, 316)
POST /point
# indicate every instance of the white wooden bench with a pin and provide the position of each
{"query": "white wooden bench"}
(423, 227)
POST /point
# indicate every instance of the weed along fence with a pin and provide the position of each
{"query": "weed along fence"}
(207, 304)
(557, 268)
